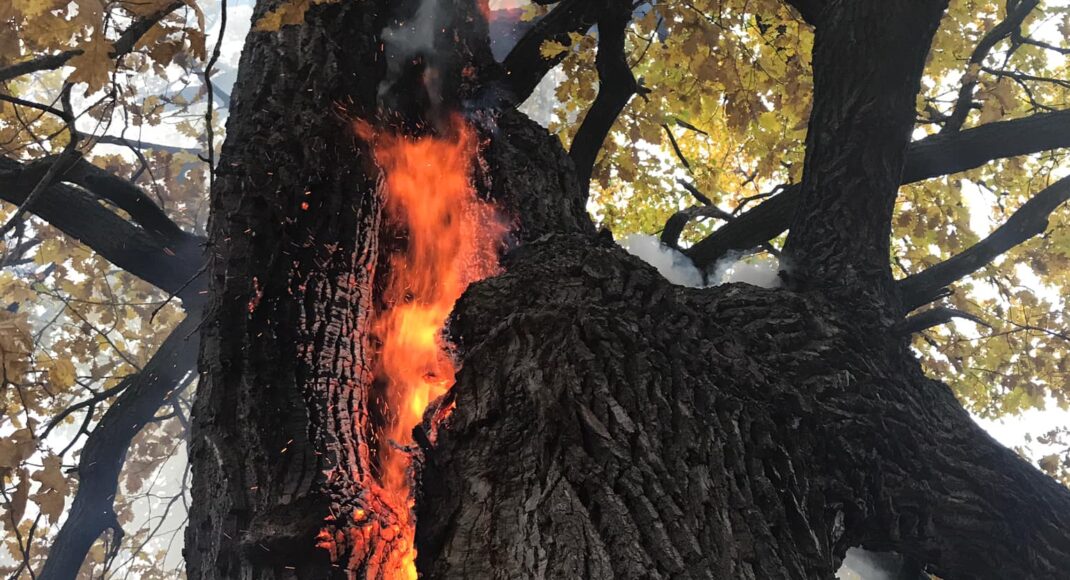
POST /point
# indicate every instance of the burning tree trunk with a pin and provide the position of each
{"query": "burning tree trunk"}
(603, 424)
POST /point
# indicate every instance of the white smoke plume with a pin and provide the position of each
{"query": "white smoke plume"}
(678, 268)
(757, 270)
(861, 564)
(671, 264)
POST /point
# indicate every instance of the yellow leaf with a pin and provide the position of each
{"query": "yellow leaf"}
(33, 8)
(15, 344)
(290, 12)
(551, 48)
(51, 476)
(92, 66)
(62, 373)
(15, 448)
(18, 500)
(51, 504)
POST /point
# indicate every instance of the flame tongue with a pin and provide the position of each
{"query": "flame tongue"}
(452, 241)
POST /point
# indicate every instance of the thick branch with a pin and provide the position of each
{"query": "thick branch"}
(860, 129)
(810, 10)
(525, 65)
(616, 86)
(1030, 220)
(74, 212)
(1016, 13)
(929, 157)
(952, 489)
(127, 197)
(92, 511)
(933, 317)
(123, 46)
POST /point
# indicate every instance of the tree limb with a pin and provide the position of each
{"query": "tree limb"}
(92, 511)
(123, 46)
(125, 196)
(1016, 13)
(117, 140)
(525, 65)
(810, 10)
(77, 214)
(616, 86)
(934, 317)
(932, 156)
(1030, 220)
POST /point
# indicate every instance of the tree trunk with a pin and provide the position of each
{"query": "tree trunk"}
(607, 423)
(281, 409)
(611, 425)
(283, 451)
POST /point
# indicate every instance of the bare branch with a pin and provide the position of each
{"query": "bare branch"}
(616, 86)
(1011, 25)
(929, 157)
(139, 145)
(810, 10)
(934, 317)
(127, 197)
(525, 65)
(76, 213)
(92, 511)
(1030, 220)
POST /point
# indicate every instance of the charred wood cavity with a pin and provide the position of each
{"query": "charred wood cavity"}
(285, 410)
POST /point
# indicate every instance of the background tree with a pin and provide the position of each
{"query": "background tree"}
(726, 92)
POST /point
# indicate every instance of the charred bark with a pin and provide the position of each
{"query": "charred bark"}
(281, 406)
(283, 449)
(611, 425)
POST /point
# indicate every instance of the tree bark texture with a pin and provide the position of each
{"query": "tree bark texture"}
(283, 441)
(281, 409)
(607, 423)
(611, 425)
(868, 58)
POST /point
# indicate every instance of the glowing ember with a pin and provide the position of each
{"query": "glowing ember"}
(452, 240)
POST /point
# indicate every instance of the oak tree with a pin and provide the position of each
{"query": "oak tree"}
(605, 423)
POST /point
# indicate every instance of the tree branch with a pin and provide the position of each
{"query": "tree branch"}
(616, 86)
(92, 511)
(810, 10)
(955, 489)
(123, 46)
(932, 156)
(525, 65)
(138, 145)
(126, 196)
(76, 213)
(1030, 220)
(1016, 13)
(934, 317)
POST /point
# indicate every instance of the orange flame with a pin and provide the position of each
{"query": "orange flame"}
(452, 241)
(492, 9)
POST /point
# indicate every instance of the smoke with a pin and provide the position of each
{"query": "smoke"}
(412, 38)
(756, 270)
(861, 564)
(679, 269)
(674, 266)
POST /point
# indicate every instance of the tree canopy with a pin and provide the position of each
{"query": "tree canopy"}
(110, 121)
